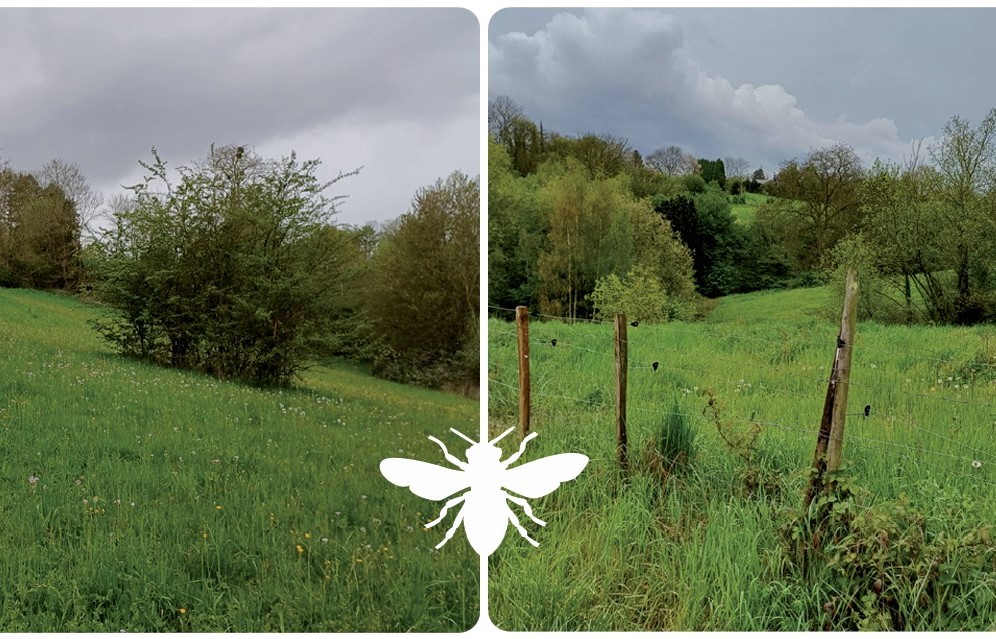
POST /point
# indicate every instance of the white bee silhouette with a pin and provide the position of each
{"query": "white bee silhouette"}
(485, 512)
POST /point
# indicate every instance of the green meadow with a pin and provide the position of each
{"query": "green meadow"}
(705, 530)
(745, 213)
(141, 499)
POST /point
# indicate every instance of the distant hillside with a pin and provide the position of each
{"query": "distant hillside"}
(745, 213)
(791, 305)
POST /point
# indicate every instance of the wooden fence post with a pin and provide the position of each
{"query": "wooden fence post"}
(847, 322)
(622, 368)
(830, 439)
(522, 329)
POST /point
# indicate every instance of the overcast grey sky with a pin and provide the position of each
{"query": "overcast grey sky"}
(764, 84)
(393, 90)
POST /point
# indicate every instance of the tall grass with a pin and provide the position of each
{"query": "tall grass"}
(703, 549)
(143, 499)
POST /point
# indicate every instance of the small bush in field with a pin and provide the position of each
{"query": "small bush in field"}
(231, 271)
(639, 295)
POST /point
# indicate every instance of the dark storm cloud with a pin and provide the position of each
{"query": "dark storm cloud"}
(101, 87)
(764, 84)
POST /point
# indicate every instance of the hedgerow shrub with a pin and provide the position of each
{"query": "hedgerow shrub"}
(234, 270)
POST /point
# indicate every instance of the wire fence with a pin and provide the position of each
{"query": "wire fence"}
(940, 423)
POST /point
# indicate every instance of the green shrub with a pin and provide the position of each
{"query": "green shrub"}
(639, 296)
(694, 184)
(228, 271)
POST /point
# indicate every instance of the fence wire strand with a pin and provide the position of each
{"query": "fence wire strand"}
(673, 327)
(864, 442)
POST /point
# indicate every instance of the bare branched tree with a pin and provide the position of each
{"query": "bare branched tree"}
(503, 111)
(672, 160)
(68, 177)
(736, 167)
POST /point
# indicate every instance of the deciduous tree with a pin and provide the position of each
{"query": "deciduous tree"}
(503, 111)
(596, 227)
(900, 226)
(68, 177)
(966, 162)
(672, 160)
(423, 302)
(821, 194)
(39, 234)
(736, 167)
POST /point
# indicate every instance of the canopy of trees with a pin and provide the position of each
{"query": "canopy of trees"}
(39, 234)
(923, 234)
(556, 233)
(591, 223)
(424, 286)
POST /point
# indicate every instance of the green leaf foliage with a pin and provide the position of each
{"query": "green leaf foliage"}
(639, 296)
(236, 269)
(39, 234)
(422, 301)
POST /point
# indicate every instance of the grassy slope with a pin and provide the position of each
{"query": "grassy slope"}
(745, 212)
(248, 509)
(699, 553)
(794, 306)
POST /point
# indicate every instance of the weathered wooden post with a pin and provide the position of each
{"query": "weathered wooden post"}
(522, 329)
(622, 368)
(830, 439)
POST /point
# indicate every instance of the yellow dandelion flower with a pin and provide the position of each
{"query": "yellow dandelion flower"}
(307, 535)
(183, 611)
(219, 507)
(204, 535)
(300, 549)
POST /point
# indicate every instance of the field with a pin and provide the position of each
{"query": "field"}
(745, 213)
(706, 529)
(143, 499)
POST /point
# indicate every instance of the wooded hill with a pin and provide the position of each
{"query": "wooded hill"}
(586, 226)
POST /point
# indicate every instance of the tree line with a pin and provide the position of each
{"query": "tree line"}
(582, 226)
(43, 216)
(234, 265)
